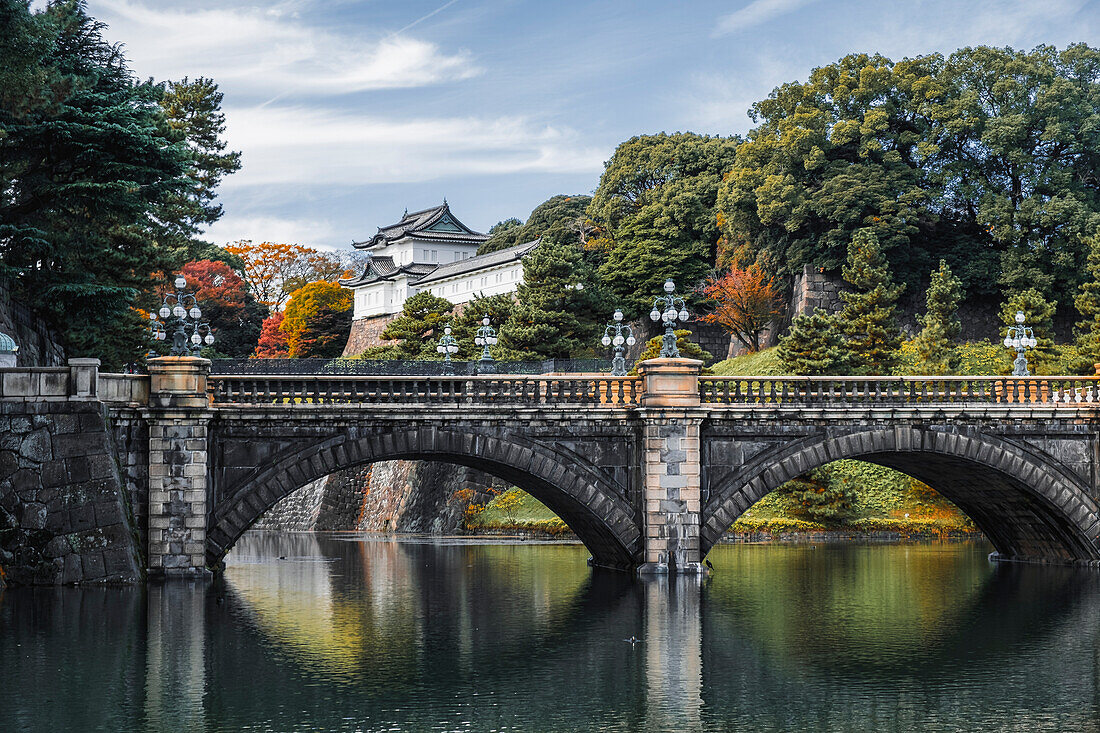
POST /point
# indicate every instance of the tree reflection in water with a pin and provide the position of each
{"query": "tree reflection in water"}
(349, 635)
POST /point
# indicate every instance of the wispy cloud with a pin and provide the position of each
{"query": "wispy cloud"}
(755, 13)
(307, 145)
(308, 231)
(272, 50)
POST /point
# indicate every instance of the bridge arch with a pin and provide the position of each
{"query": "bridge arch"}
(593, 505)
(1028, 506)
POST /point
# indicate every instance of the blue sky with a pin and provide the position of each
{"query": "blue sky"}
(348, 111)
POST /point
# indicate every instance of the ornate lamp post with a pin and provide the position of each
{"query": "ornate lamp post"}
(187, 320)
(618, 334)
(1021, 338)
(665, 309)
(486, 337)
(447, 345)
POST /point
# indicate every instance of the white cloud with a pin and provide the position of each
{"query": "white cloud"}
(307, 145)
(269, 50)
(755, 13)
(309, 232)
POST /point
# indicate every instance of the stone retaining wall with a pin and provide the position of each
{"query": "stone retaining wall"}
(388, 496)
(64, 517)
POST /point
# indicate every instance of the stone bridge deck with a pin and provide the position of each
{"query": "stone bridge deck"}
(649, 471)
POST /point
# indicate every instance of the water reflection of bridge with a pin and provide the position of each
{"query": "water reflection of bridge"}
(344, 633)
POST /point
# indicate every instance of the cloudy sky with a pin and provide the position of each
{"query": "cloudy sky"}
(349, 111)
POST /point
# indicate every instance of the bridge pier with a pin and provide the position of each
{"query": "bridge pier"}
(178, 417)
(672, 485)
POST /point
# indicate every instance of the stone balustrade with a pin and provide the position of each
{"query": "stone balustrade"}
(797, 391)
(593, 390)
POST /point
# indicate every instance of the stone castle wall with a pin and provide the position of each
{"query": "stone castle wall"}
(38, 344)
(367, 332)
(388, 496)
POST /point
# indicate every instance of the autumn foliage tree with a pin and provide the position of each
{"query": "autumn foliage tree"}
(273, 341)
(274, 270)
(233, 314)
(317, 322)
(744, 302)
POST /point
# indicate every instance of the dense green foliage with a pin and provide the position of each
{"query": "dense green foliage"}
(815, 345)
(987, 159)
(868, 315)
(97, 182)
(1039, 315)
(552, 318)
(820, 495)
(940, 325)
(653, 214)
(1087, 303)
(560, 218)
(688, 349)
(417, 330)
(464, 326)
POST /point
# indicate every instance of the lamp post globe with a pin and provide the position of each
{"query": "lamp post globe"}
(616, 334)
(669, 308)
(486, 337)
(1021, 338)
(184, 307)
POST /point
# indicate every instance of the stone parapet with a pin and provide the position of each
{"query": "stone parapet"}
(670, 382)
(178, 381)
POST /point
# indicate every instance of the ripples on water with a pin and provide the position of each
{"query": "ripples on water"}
(327, 633)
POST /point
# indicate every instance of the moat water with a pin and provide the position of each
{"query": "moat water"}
(313, 633)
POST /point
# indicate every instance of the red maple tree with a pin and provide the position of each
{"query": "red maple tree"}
(745, 301)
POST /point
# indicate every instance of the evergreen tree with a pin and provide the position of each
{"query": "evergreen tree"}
(940, 323)
(552, 319)
(417, 330)
(868, 315)
(815, 346)
(193, 112)
(560, 217)
(464, 326)
(1039, 315)
(1087, 303)
(86, 167)
(821, 495)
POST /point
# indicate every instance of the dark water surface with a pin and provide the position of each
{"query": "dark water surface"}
(417, 635)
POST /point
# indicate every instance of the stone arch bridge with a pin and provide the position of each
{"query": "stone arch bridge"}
(649, 471)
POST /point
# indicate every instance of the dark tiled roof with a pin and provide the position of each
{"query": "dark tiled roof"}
(417, 225)
(382, 267)
(481, 262)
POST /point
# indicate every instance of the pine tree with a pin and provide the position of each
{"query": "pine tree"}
(1087, 303)
(464, 326)
(417, 330)
(1039, 315)
(552, 318)
(868, 315)
(815, 346)
(85, 176)
(940, 323)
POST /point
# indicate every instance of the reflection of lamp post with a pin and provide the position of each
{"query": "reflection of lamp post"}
(1021, 338)
(486, 336)
(665, 309)
(447, 346)
(187, 319)
(614, 334)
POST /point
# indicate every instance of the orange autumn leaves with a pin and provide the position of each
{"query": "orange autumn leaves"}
(744, 301)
